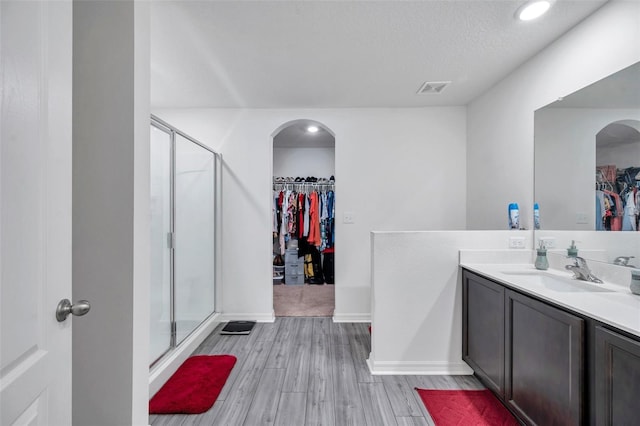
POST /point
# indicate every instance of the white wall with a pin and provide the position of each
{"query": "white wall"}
(417, 293)
(396, 169)
(111, 212)
(303, 162)
(417, 297)
(565, 162)
(500, 122)
(622, 156)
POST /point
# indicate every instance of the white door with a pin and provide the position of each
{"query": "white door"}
(35, 213)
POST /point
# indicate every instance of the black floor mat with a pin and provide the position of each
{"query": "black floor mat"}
(238, 327)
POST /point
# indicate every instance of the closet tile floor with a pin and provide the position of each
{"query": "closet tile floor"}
(310, 371)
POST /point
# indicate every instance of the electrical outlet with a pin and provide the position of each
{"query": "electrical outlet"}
(582, 218)
(516, 242)
(549, 242)
(349, 217)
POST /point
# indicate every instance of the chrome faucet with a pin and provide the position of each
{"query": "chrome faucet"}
(581, 271)
(623, 261)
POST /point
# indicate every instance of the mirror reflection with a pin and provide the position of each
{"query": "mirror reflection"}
(587, 168)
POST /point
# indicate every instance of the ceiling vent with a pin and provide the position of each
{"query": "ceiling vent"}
(433, 87)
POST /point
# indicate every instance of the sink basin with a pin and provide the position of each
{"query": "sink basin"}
(557, 283)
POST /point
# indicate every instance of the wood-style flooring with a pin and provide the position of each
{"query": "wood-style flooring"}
(311, 371)
(307, 300)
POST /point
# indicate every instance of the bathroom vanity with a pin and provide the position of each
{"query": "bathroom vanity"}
(554, 349)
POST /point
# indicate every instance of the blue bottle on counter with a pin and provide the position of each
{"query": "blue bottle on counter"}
(514, 216)
(536, 216)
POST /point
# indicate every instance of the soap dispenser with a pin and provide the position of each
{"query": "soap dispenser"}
(635, 281)
(573, 250)
(542, 263)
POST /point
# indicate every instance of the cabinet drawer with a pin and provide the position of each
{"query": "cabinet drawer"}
(294, 279)
(294, 268)
(291, 255)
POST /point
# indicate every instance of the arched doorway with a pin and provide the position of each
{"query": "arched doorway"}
(303, 219)
(617, 176)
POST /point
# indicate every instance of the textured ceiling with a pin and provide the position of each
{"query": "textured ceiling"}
(297, 54)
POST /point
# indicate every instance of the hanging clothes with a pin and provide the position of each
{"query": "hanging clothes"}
(323, 220)
(314, 220)
(600, 211)
(306, 212)
(613, 211)
(278, 198)
(274, 212)
(630, 212)
(332, 216)
(292, 213)
(637, 195)
(617, 202)
(307, 207)
(301, 210)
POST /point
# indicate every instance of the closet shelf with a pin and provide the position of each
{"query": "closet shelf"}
(302, 184)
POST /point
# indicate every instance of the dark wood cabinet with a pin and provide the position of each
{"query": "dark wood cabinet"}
(544, 362)
(617, 378)
(483, 330)
(548, 364)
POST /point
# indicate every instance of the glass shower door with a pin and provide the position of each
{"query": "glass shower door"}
(194, 235)
(160, 188)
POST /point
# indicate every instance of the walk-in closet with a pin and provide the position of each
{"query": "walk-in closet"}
(618, 176)
(303, 220)
(183, 185)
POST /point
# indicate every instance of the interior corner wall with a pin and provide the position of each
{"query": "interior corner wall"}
(500, 131)
(395, 169)
(111, 66)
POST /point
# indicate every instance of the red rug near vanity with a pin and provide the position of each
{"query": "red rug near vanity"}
(465, 407)
(194, 387)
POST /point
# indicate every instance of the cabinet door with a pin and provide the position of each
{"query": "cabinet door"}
(483, 330)
(544, 362)
(617, 370)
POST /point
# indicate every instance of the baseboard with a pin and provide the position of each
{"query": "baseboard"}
(263, 317)
(417, 368)
(351, 317)
(162, 371)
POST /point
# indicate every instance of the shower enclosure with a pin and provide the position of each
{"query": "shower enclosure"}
(183, 217)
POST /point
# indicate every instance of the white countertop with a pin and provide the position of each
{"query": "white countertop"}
(609, 303)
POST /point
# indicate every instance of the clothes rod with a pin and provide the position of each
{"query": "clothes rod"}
(305, 183)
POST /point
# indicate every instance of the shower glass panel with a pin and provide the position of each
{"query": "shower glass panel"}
(194, 235)
(160, 186)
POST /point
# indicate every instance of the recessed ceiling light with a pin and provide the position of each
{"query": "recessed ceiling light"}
(533, 9)
(312, 129)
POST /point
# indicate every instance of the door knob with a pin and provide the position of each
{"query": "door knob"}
(65, 308)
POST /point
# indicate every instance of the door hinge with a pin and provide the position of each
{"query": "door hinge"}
(173, 340)
(171, 240)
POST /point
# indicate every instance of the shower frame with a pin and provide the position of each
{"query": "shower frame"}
(173, 131)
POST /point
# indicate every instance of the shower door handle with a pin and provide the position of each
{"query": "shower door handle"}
(65, 308)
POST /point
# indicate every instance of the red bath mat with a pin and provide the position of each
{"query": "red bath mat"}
(194, 387)
(466, 407)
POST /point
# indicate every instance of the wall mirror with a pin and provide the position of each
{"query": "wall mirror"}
(587, 167)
